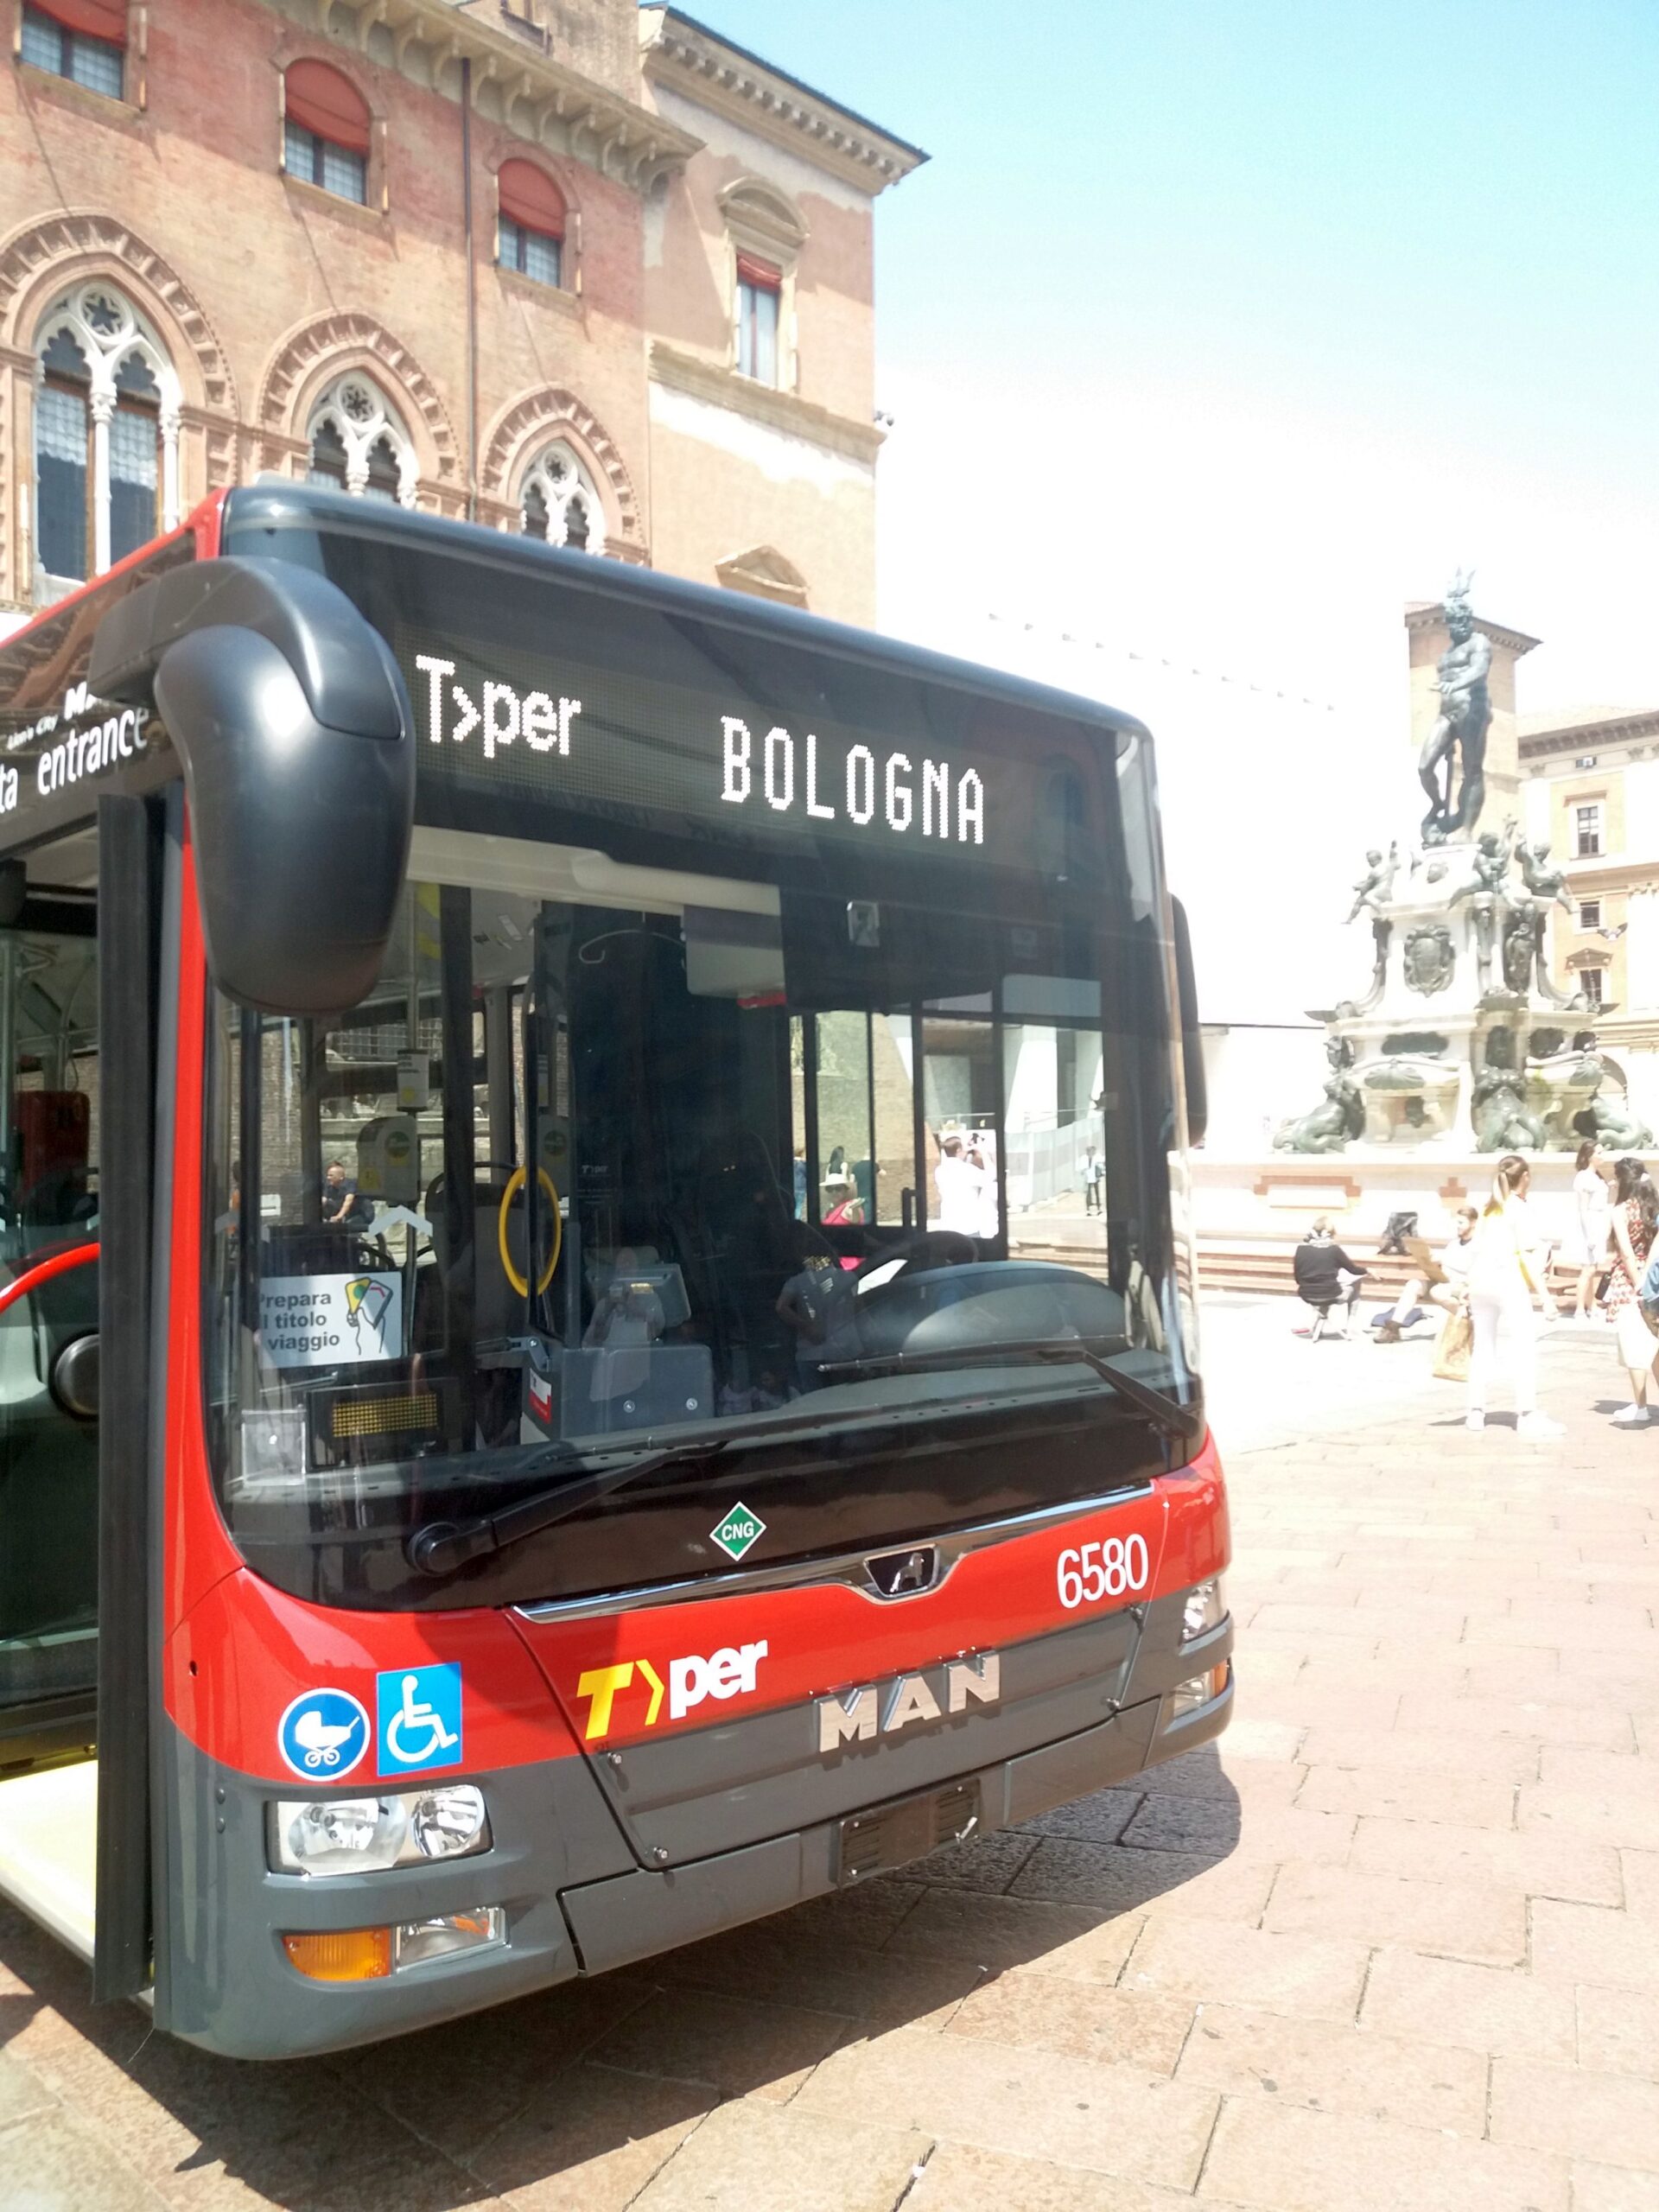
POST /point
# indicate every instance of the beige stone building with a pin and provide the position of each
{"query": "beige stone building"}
(1591, 782)
(565, 266)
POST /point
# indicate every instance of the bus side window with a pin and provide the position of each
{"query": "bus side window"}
(48, 1107)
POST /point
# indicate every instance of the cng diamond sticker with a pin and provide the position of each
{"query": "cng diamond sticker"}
(739, 1532)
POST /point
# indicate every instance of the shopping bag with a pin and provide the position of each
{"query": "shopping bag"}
(1451, 1353)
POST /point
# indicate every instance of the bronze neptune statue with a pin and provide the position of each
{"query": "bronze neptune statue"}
(1459, 738)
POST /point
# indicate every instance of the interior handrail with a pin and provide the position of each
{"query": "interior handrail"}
(55, 1263)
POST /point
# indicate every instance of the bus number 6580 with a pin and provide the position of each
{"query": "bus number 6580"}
(1112, 1569)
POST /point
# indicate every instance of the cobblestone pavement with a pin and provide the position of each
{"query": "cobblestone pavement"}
(1396, 1946)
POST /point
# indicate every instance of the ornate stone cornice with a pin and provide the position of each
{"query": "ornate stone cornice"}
(780, 411)
(515, 83)
(1433, 617)
(764, 573)
(684, 57)
(1605, 874)
(1633, 1032)
(1641, 726)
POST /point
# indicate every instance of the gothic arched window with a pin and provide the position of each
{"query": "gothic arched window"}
(359, 442)
(107, 433)
(557, 501)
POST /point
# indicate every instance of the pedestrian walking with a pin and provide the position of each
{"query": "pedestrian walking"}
(1093, 1176)
(1635, 1218)
(1506, 1270)
(960, 1179)
(1594, 1203)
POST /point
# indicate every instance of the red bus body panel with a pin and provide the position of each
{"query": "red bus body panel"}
(238, 1651)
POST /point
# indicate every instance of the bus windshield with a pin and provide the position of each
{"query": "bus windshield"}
(856, 1170)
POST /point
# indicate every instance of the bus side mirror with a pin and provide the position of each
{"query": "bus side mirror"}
(1197, 1082)
(291, 719)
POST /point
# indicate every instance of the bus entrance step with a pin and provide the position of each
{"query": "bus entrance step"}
(49, 1849)
(893, 1835)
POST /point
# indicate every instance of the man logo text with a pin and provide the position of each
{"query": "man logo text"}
(858, 1716)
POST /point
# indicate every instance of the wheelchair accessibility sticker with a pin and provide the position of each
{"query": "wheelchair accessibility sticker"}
(323, 1735)
(419, 1713)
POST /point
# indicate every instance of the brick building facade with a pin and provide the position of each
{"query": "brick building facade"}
(564, 265)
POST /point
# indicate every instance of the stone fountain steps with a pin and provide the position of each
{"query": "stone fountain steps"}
(1262, 1268)
(1254, 1266)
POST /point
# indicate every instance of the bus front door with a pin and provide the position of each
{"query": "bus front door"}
(49, 1322)
(74, 1257)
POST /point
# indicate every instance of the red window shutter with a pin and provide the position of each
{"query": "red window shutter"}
(529, 195)
(323, 102)
(105, 19)
(762, 274)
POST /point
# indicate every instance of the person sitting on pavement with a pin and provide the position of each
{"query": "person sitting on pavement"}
(1450, 1288)
(1325, 1277)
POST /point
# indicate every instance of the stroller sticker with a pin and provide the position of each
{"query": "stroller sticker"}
(323, 1735)
(419, 1711)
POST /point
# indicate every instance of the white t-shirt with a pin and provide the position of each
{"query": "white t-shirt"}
(1589, 1188)
(1457, 1261)
(960, 1185)
(1503, 1241)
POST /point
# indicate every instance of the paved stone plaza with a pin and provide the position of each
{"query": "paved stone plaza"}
(1396, 1946)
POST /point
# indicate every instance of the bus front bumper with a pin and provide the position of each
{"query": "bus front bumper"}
(571, 1896)
(636, 1915)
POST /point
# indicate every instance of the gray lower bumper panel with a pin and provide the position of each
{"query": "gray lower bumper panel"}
(637, 1914)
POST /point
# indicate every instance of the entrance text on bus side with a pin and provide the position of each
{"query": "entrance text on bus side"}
(119, 736)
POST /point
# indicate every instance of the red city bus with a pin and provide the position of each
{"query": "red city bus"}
(533, 1426)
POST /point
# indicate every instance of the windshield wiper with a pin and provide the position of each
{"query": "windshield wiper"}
(442, 1545)
(1174, 1419)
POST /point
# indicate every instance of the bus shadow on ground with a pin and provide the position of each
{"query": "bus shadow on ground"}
(609, 2075)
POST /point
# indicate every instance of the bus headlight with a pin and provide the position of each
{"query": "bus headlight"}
(366, 1835)
(448, 1823)
(372, 1953)
(1205, 1608)
(1201, 1690)
(419, 1941)
(341, 1835)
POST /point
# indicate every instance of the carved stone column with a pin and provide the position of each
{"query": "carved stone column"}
(169, 469)
(103, 407)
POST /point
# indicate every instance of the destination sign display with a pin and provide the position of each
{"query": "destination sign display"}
(624, 745)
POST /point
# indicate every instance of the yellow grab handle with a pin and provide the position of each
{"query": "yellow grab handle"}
(515, 1184)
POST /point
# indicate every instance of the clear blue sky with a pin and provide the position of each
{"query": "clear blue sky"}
(1218, 329)
(1431, 209)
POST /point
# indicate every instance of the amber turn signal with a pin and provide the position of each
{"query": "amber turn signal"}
(343, 1955)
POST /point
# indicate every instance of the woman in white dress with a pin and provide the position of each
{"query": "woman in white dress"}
(1591, 1196)
(1506, 1270)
